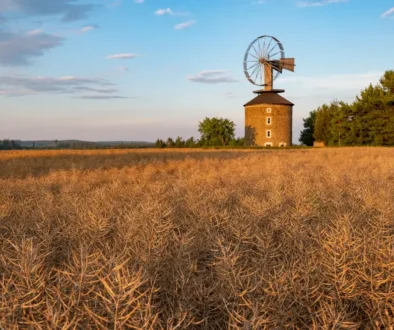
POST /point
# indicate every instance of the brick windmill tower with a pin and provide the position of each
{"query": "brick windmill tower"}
(269, 116)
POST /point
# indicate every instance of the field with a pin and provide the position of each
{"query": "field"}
(175, 239)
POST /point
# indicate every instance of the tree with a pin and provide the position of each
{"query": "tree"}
(309, 125)
(190, 142)
(216, 131)
(160, 144)
(387, 81)
(322, 123)
(179, 143)
(369, 120)
(170, 143)
(238, 142)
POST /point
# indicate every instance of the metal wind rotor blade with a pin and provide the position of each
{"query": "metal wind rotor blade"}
(287, 64)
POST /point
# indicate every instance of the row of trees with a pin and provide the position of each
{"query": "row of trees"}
(9, 145)
(214, 132)
(369, 120)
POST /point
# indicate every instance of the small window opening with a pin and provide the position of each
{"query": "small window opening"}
(269, 121)
(268, 134)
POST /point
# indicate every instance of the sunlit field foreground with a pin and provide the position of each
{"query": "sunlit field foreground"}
(291, 239)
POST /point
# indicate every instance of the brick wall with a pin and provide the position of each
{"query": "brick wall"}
(257, 125)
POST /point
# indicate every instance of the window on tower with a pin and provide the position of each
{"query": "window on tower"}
(269, 110)
(268, 134)
(269, 121)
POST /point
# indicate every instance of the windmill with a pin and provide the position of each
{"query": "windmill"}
(269, 116)
(264, 60)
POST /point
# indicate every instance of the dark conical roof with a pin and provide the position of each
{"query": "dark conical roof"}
(269, 97)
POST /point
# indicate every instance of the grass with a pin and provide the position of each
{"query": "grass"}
(175, 239)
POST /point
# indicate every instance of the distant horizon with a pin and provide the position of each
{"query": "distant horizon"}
(142, 70)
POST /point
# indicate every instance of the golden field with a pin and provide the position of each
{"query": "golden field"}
(192, 239)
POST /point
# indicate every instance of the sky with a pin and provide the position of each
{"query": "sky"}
(101, 70)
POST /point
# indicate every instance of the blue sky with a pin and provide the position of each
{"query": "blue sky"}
(142, 70)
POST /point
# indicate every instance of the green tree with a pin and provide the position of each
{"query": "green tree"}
(306, 136)
(190, 142)
(179, 143)
(238, 142)
(322, 123)
(160, 143)
(387, 81)
(170, 143)
(216, 131)
(369, 120)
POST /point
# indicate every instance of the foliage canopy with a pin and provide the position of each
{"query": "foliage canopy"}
(369, 120)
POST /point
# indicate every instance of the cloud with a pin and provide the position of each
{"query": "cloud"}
(388, 13)
(337, 85)
(96, 90)
(318, 3)
(18, 50)
(212, 77)
(17, 85)
(123, 68)
(184, 25)
(115, 3)
(34, 32)
(168, 11)
(229, 95)
(69, 10)
(88, 28)
(259, 2)
(101, 97)
(139, 1)
(164, 12)
(122, 56)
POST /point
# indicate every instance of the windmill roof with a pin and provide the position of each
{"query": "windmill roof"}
(269, 98)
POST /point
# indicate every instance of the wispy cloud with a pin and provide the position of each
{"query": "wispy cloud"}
(337, 84)
(169, 11)
(18, 85)
(18, 50)
(388, 13)
(184, 25)
(66, 9)
(101, 97)
(122, 56)
(123, 68)
(229, 95)
(115, 3)
(213, 77)
(318, 3)
(88, 28)
(259, 2)
(139, 1)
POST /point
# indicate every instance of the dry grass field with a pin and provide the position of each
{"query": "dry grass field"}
(191, 239)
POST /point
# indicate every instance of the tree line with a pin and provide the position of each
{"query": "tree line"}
(214, 132)
(369, 120)
(9, 145)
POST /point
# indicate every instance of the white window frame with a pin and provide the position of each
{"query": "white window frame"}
(269, 120)
(268, 133)
(268, 144)
(269, 110)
